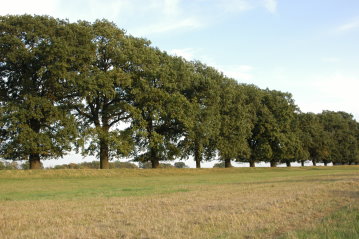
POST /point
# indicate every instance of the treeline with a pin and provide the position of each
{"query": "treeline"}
(92, 88)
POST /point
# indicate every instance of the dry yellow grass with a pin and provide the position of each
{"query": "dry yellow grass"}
(257, 209)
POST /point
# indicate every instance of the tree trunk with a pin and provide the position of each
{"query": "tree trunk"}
(227, 163)
(154, 159)
(155, 163)
(198, 163)
(325, 163)
(273, 164)
(104, 164)
(252, 164)
(302, 162)
(314, 163)
(350, 163)
(34, 158)
(35, 162)
(197, 155)
(288, 163)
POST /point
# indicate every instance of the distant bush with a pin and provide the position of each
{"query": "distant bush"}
(180, 165)
(4, 165)
(147, 165)
(26, 165)
(119, 164)
(95, 165)
(219, 165)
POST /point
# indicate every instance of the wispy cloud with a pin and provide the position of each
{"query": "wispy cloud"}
(349, 26)
(271, 5)
(29, 7)
(235, 5)
(330, 59)
(246, 5)
(168, 26)
(171, 7)
(187, 53)
(242, 73)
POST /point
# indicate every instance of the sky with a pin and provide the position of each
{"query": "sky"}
(309, 48)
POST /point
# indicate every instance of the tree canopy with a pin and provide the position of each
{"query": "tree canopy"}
(93, 88)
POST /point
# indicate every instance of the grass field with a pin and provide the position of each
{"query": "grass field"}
(310, 202)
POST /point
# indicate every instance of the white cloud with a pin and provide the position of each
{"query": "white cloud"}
(270, 5)
(171, 7)
(337, 92)
(39, 7)
(235, 5)
(168, 26)
(242, 73)
(187, 53)
(246, 5)
(353, 24)
(330, 59)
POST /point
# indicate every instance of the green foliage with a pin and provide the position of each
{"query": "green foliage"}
(180, 165)
(34, 56)
(102, 103)
(342, 130)
(219, 165)
(4, 165)
(274, 137)
(91, 87)
(164, 111)
(204, 96)
(148, 165)
(95, 165)
(236, 122)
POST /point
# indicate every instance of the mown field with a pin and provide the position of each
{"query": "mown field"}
(310, 202)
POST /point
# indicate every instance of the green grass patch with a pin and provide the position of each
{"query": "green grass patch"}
(342, 224)
(67, 184)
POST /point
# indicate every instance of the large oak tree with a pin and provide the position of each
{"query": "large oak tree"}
(36, 56)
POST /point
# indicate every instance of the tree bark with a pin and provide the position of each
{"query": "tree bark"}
(273, 164)
(154, 158)
(104, 163)
(227, 163)
(34, 158)
(302, 162)
(35, 162)
(288, 163)
(325, 163)
(314, 163)
(155, 163)
(197, 155)
(350, 163)
(252, 164)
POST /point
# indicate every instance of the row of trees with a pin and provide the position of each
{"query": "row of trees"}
(90, 87)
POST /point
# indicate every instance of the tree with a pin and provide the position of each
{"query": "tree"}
(164, 110)
(272, 137)
(102, 102)
(315, 141)
(235, 123)
(204, 97)
(35, 66)
(343, 131)
(253, 101)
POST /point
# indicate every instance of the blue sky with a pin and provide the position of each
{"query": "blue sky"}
(309, 48)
